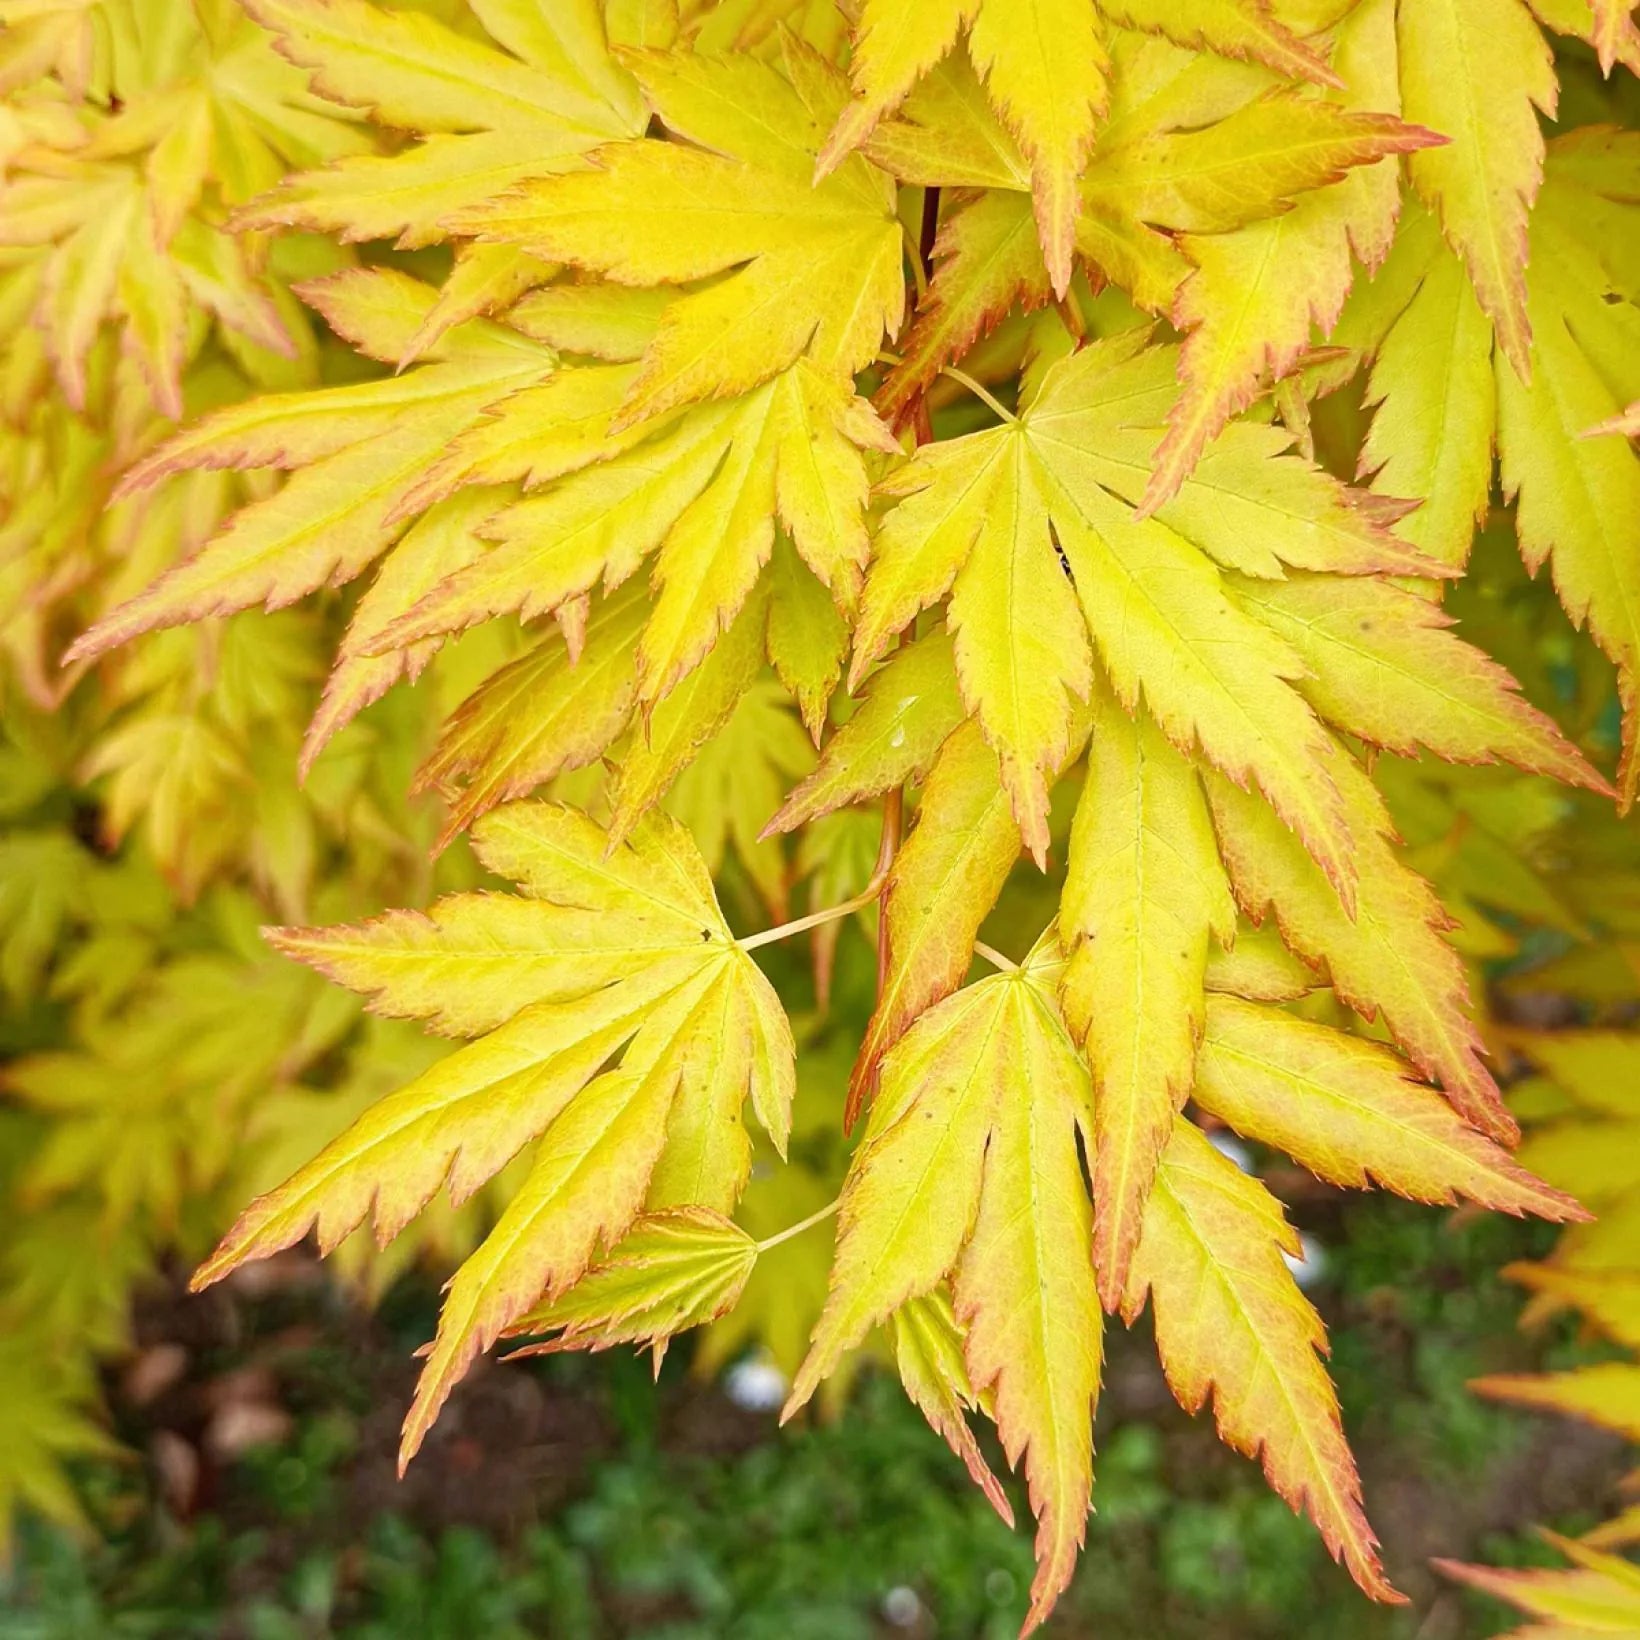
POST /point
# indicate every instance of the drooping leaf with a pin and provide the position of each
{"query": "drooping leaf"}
(1389, 959)
(1348, 1111)
(928, 1355)
(611, 953)
(1232, 1324)
(1144, 897)
(1029, 528)
(1442, 397)
(970, 1167)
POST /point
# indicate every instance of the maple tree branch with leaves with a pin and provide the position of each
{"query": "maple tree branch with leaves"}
(747, 421)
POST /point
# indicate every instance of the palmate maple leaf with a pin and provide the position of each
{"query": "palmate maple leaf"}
(674, 243)
(625, 464)
(1029, 528)
(969, 1169)
(1472, 76)
(703, 492)
(1027, 53)
(608, 954)
(987, 1085)
(1195, 148)
(812, 271)
(356, 453)
(124, 222)
(489, 117)
(1260, 292)
(1146, 893)
(1445, 392)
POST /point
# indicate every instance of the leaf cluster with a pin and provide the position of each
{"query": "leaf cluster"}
(1020, 449)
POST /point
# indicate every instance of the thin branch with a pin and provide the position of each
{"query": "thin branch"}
(893, 828)
(996, 959)
(797, 1229)
(918, 272)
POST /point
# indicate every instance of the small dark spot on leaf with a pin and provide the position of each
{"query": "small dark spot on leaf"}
(1064, 562)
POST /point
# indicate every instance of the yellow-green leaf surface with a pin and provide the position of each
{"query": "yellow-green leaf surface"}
(1029, 528)
(1443, 393)
(1144, 896)
(1385, 667)
(1389, 959)
(1349, 1111)
(1232, 1323)
(1250, 306)
(941, 887)
(812, 270)
(1578, 498)
(702, 496)
(1043, 63)
(908, 709)
(489, 116)
(1600, 1595)
(357, 452)
(732, 787)
(607, 949)
(543, 714)
(1235, 28)
(1479, 71)
(1436, 443)
(970, 1167)
(671, 1271)
(928, 1356)
(1608, 1394)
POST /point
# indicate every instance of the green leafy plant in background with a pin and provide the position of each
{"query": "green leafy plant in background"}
(971, 475)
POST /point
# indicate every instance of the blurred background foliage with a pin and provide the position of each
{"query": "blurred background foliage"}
(221, 1466)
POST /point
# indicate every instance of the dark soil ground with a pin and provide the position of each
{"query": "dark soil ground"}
(573, 1499)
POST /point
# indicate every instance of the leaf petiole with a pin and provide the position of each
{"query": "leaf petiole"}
(847, 908)
(979, 390)
(794, 1230)
(996, 959)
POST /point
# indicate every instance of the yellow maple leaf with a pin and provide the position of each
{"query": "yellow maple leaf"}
(607, 953)
(1029, 528)
(970, 1167)
(1232, 1323)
